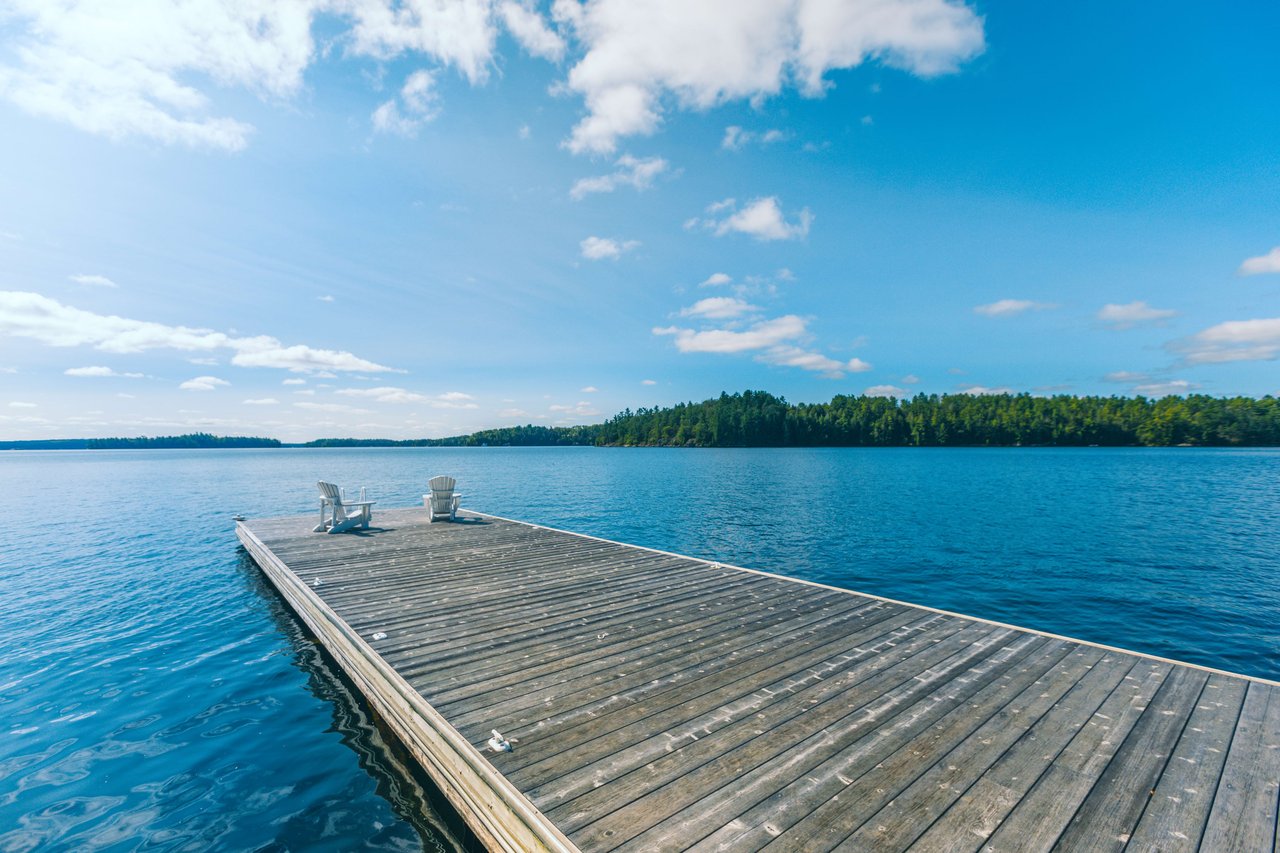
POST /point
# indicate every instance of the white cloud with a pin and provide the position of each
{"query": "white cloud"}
(116, 69)
(458, 33)
(735, 138)
(418, 104)
(1165, 389)
(512, 413)
(1235, 340)
(294, 382)
(774, 342)
(1131, 314)
(761, 218)
(648, 382)
(637, 57)
(523, 132)
(1268, 263)
(531, 31)
(886, 391)
(325, 298)
(22, 404)
(262, 401)
(786, 355)
(766, 333)
(979, 390)
(582, 409)
(99, 371)
(719, 308)
(330, 407)
(1012, 307)
(910, 379)
(93, 280)
(385, 395)
(631, 172)
(590, 389)
(1124, 376)
(30, 315)
(203, 383)
(715, 280)
(599, 248)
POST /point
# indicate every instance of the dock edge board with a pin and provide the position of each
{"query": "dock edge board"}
(500, 816)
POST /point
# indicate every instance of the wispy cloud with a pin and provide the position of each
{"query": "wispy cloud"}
(648, 382)
(886, 391)
(774, 341)
(1235, 340)
(1165, 389)
(330, 407)
(99, 372)
(582, 409)
(30, 315)
(387, 394)
(203, 383)
(93, 280)
(325, 298)
(1268, 263)
(602, 248)
(1132, 314)
(590, 389)
(22, 404)
(531, 31)
(760, 218)
(262, 401)
(981, 390)
(630, 172)
(1012, 307)
(1125, 377)
(715, 280)
(418, 103)
(719, 308)
(736, 138)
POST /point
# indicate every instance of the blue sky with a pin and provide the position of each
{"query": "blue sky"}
(354, 217)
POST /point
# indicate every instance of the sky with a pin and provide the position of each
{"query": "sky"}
(311, 218)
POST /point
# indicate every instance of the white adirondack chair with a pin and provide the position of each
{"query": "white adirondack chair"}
(443, 500)
(343, 514)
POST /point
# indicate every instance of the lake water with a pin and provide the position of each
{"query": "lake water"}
(155, 693)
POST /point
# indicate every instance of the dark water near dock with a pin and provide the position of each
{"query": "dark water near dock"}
(155, 693)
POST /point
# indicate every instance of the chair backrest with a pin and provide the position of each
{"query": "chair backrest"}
(329, 490)
(442, 483)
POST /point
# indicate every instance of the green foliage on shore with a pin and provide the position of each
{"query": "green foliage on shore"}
(517, 436)
(194, 440)
(759, 419)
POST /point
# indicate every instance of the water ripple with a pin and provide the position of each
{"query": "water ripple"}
(157, 694)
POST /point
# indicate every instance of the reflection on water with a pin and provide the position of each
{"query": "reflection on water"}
(399, 780)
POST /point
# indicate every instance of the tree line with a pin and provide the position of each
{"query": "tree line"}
(759, 419)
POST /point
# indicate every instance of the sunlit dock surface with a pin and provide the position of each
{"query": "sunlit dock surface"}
(658, 702)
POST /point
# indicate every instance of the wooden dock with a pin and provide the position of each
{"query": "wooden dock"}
(659, 702)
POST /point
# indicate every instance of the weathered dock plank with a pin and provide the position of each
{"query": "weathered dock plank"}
(661, 702)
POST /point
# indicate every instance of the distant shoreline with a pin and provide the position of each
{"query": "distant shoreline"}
(760, 419)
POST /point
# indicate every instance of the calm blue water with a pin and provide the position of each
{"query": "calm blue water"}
(154, 693)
